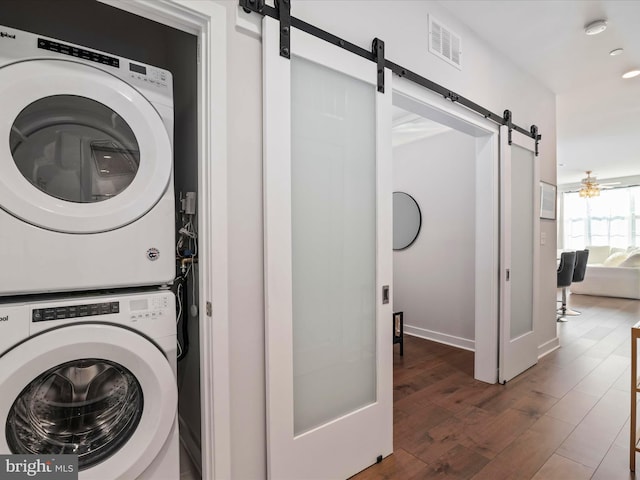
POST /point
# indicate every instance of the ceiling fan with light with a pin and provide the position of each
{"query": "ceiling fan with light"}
(590, 188)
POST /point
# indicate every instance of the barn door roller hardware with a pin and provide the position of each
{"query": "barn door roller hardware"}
(282, 12)
(536, 136)
(252, 6)
(377, 49)
(507, 121)
(284, 8)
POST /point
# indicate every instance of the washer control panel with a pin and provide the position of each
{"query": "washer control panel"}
(148, 308)
(74, 311)
(152, 313)
(123, 309)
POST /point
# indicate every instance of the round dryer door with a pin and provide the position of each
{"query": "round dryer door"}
(81, 151)
(104, 393)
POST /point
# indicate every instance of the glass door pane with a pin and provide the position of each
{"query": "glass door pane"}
(333, 205)
(522, 238)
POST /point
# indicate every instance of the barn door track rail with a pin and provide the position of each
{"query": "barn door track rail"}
(282, 13)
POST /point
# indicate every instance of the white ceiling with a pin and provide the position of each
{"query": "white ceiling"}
(598, 112)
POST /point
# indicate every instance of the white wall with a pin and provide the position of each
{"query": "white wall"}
(434, 279)
(487, 78)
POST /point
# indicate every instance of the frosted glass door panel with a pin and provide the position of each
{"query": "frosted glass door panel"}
(522, 238)
(333, 197)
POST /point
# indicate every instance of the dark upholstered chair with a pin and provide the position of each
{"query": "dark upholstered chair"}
(565, 276)
(578, 274)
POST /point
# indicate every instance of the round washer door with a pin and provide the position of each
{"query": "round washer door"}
(100, 391)
(81, 151)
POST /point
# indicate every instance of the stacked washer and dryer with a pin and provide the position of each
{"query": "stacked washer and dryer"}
(87, 205)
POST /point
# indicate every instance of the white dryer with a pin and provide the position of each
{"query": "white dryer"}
(86, 168)
(93, 376)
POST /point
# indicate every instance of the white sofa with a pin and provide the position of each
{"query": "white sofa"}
(605, 280)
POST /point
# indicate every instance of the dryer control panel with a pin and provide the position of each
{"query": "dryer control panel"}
(17, 45)
(153, 76)
(136, 71)
(78, 52)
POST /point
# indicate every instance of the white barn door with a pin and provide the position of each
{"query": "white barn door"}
(328, 259)
(519, 257)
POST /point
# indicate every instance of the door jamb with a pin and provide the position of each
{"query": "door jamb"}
(407, 94)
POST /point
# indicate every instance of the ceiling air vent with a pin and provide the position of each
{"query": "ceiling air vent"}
(444, 43)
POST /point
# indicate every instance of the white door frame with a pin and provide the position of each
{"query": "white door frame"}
(208, 21)
(417, 99)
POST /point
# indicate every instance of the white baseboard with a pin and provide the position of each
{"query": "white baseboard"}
(459, 342)
(548, 347)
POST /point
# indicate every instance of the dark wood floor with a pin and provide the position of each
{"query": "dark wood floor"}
(565, 418)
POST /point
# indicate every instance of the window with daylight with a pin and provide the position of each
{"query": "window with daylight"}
(611, 219)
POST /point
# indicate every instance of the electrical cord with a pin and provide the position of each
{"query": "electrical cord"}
(186, 254)
(181, 318)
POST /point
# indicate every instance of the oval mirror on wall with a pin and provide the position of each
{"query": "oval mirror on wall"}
(407, 220)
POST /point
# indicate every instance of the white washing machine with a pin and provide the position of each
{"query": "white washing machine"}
(86, 168)
(93, 376)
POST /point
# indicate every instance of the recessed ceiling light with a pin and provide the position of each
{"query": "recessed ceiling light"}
(631, 74)
(596, 27)
(616, 52)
